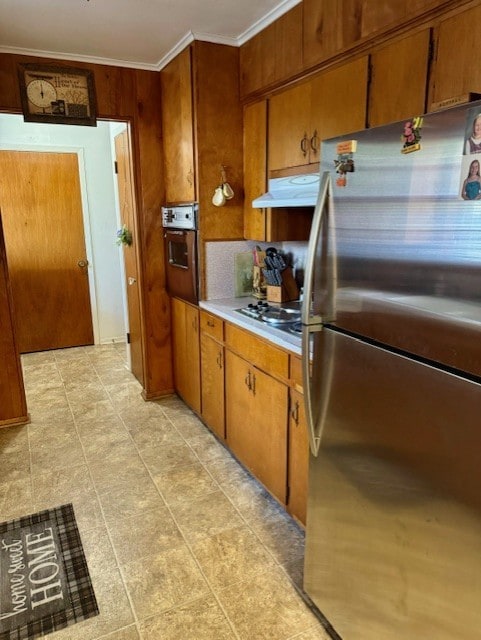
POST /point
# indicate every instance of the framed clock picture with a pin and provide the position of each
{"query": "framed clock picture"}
(58, 95)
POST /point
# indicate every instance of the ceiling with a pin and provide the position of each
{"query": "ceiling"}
(144, 34)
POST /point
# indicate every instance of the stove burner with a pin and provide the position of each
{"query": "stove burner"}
(280, 316)
(285, 318)
(296, 328)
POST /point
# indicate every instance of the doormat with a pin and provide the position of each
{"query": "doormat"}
(44, 578)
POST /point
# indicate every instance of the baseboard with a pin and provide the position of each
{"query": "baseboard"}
(15, 422)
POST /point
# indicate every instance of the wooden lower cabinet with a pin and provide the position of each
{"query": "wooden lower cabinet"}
(186, 349)
(298, 459)
(256, 422)
(212, 375)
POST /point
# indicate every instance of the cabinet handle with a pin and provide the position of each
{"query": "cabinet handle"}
(194, 324)
(315, 142)
(254, 384)
(295, 413)
(304, 144)
(219, 359)
(248, 381)
(210, 323)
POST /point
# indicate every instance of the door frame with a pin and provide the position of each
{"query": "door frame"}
(85, 216)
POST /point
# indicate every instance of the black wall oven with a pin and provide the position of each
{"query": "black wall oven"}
(180, 244)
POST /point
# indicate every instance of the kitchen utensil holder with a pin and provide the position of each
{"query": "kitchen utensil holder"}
(287, 291)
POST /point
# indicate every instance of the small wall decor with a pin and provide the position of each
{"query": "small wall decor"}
(223, 192)
(124, 236)
(57, 95)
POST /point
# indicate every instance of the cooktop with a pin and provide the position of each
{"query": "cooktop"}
(286, 316)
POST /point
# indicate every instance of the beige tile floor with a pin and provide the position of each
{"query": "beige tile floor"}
(181, 543)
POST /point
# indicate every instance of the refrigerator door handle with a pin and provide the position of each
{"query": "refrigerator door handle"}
(320, 219)
(317, 377)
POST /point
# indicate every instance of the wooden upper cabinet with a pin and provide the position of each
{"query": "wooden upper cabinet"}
(218, 131)
(290, 127)
(455, 70)
(331, 104)
(399, 73)
(339, 100)
(331, 26)
(257, 61)
(202, 132)
(272, 55)
(255, 168)
(177, 128)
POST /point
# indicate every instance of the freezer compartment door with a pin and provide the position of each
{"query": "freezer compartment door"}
(393, 543)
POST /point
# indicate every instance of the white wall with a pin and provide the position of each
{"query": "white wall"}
(99, 206)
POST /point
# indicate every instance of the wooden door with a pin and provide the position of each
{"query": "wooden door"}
(255, 168)
(289, 128)
(399, 74)
(185, 332)
(339, 100)
(44, 236)
(128, 218)
(298, 467)
(13, 407)
(256, 415)
(212, 378)
(456, 71)
(177, 129)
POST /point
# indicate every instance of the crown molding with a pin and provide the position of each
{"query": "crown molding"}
(282, 8)
(76, 57)
(176, 49)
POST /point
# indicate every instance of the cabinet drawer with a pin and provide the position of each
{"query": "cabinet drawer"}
(212, 325)
(265, 356)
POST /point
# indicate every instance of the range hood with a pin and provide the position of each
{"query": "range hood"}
(292, 191)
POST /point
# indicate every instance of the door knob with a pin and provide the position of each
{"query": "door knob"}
(131, 280)
(82, 263)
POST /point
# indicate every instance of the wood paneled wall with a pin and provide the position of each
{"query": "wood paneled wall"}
(134, 96)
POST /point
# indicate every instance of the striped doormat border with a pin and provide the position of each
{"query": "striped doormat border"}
(44, 578)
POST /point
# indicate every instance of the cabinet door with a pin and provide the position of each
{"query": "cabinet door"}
(212, 379)
(456, 70)
(255, 168)
(256, 417)
(399, 74)
(298, 465)
(289, 127)
(177, 129)
(338, 102)
(13, 407)
(185, 330)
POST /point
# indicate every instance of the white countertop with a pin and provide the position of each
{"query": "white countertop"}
(225, 309)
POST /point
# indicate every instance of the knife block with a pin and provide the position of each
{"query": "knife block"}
(285, 292)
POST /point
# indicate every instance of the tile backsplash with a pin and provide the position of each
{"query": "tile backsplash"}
(220, 264)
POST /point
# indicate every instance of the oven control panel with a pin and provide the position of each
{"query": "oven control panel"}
(182, 216)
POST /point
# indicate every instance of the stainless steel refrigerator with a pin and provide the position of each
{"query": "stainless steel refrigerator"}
(392, 383)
